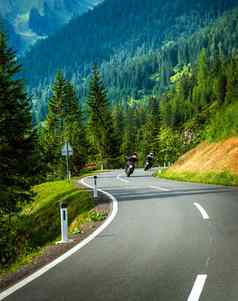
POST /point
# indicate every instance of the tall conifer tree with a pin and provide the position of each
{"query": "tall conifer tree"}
(100, 119)
(18, 152)
(17, 139)
(64, 124)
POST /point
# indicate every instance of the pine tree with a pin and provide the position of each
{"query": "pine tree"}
(232, 81)
(74, 131)
(201, 91)
(54, 125)
(17, 139)
(100, 120)
(64, 124)
(18, 150)
(151, 127)
(119, 124)
(55, 118)
(130, 137)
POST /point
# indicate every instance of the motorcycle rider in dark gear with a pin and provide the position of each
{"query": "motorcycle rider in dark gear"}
(149, 161)
(131, 161)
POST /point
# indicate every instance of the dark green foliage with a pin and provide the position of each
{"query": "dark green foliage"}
(134, 67)
(152, 125)
(162, 22)
(201, 102)
(100, 123)
(196, 93)
(17, 138)
(223, 123)
(19, 153)
(64, 124)
(131, 129)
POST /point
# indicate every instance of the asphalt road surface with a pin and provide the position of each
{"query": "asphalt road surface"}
(170, 241)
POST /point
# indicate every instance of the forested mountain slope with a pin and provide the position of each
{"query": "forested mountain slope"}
(118, 28)
(36, 19)
(15, 40)
(148, 71)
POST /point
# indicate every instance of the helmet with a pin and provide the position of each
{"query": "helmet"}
(151, 154)
(134, 154)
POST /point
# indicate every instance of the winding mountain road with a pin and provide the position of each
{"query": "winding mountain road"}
(169, 241)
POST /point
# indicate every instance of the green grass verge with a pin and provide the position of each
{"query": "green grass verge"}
(219, 178)
(39, 223)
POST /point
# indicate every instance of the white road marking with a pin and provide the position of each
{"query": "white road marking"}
(122, 180)
(197, 288)
(202, 211)
(160, 188)
(76, 248)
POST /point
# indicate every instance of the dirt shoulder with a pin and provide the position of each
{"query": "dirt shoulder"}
(210, 157)
(208, 163)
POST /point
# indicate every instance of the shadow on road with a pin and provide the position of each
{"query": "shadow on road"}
(142, 194)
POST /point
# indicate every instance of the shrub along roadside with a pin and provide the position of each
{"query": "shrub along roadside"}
(38, 225)
(219, 178)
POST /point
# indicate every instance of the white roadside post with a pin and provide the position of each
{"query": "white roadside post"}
(64, 223)
(95, 191)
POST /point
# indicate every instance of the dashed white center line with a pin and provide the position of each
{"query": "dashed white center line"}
(202, 211)
(159, 188)
(122, 180)
(197, 288)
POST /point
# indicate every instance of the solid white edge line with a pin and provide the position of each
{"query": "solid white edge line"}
(76, 248)
(123, 180)
(197, 288)
(160, 188)
(202, 211)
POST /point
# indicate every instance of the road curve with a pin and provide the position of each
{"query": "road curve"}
(169, 241)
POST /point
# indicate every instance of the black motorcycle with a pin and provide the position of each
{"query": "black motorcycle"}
(129, 169)
(148, 165)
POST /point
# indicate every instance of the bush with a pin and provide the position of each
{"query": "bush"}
(97, 216)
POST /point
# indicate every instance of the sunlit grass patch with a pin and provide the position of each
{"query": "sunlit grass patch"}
(219, 178)
(38, 225)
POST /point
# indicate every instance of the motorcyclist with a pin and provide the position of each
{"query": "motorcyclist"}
(131, 160)
(149, 161)
(150, 158)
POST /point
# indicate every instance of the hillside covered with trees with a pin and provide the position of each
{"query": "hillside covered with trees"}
(133, 62)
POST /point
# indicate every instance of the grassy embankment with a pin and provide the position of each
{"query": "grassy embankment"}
(38, 225)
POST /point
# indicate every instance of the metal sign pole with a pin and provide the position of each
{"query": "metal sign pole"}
(67, 161)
